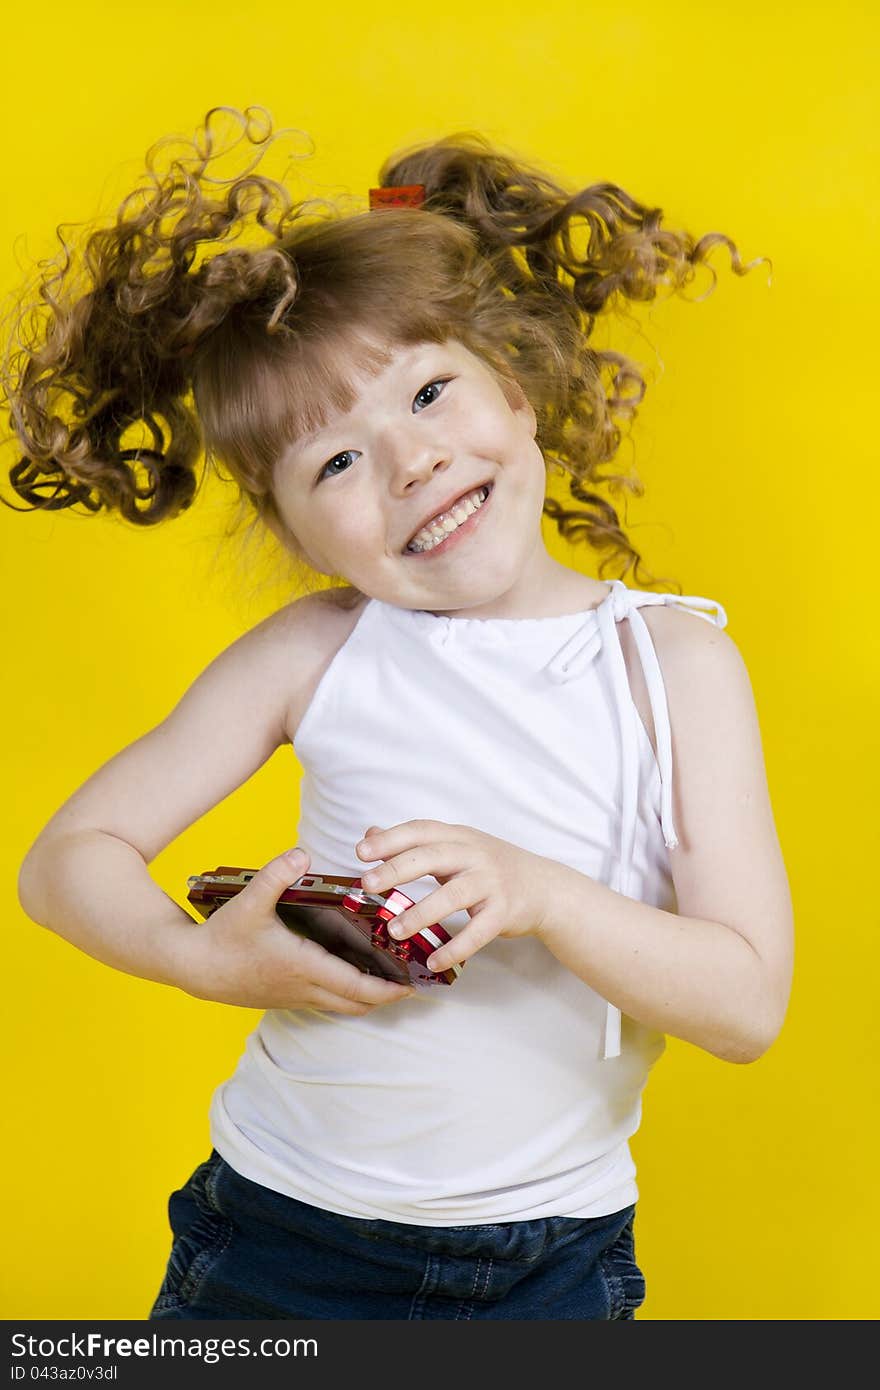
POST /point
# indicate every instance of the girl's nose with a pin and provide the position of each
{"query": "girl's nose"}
(416, 462)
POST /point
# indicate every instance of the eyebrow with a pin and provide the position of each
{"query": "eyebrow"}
(304, 442)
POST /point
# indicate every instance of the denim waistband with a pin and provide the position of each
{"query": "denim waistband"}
(238, 1198)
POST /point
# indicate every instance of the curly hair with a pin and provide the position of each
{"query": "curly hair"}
(131, 363)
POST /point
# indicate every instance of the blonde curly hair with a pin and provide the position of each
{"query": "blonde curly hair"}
(233, 359)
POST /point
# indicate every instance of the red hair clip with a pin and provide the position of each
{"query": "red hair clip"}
(408, 195)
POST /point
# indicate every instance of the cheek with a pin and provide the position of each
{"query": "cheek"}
(297, 535)
(334, 536)
(535, 459)
(530, 467)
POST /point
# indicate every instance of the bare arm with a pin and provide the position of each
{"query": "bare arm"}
(86, 878)
(94, 890)
(718, 971)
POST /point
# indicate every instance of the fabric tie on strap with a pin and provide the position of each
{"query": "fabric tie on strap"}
(600, 632)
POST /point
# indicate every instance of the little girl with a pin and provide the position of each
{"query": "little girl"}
(566, 773)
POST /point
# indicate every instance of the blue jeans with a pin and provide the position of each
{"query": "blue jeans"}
(241, 1250)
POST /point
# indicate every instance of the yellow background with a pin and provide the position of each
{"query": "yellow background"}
(757, 445)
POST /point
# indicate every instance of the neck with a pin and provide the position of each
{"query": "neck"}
(553, 590)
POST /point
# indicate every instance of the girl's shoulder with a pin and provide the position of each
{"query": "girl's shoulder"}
(686, 645)
(315, 627)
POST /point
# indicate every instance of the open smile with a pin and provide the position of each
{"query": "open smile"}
(464, 528)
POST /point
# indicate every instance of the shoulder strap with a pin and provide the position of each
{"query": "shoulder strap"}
(600, 633)
(644, 598)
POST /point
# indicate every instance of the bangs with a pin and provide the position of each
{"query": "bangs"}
(280, 394)
(364, 290)
(298, 391)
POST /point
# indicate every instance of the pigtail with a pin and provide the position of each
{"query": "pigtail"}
(142, 355)
(98, 373)
(525, 226)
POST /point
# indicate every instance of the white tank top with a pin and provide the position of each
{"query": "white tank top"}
(512, 1093)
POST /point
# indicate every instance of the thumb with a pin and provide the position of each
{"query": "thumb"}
(280, 872)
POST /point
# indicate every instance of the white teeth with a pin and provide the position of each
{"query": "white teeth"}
(443, 526)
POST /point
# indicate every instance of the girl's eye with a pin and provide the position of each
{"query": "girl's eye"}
(326, 471)
(430, 387)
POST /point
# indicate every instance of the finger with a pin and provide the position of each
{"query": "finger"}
(366, 848)
(269, 882)
(381, 844)
(338, 1004)
(438, 861)
(339, 977)
(467, 943)
(460, 894)
(374, 830)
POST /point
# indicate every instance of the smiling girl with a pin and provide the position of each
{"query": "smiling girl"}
(566, 773)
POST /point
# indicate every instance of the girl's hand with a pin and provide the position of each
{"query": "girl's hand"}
(244, 954)
(505, 890)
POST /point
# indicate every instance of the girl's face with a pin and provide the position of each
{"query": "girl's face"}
(433, 428)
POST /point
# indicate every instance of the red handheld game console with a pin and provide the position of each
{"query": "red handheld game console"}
(340, 915)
